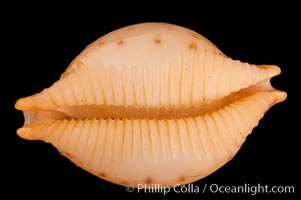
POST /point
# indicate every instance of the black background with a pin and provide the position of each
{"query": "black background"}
(40, 44)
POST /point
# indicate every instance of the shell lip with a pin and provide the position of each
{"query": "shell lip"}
(36, 116)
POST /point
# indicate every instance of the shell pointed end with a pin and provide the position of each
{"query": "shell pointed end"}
(274, 70)
(25, 133)
(280, 96)
(24, 103)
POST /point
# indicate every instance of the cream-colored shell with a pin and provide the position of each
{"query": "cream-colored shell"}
(151, 103)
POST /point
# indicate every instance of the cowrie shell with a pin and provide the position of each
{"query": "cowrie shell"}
(151, 103)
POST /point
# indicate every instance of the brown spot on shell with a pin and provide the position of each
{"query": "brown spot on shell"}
(68, 155)
(192, 46)
(229, 157)
(129, 28)
(149, 181)
(221, 54)
(195, 35)
(182, 179)
(120, 42)
(103, 175)
(158, 41)
(100, 43)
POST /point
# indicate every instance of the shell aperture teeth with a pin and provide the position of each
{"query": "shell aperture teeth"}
(128, 112)
(147, 97)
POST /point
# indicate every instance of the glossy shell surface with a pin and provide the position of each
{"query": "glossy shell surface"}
(151, 103)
